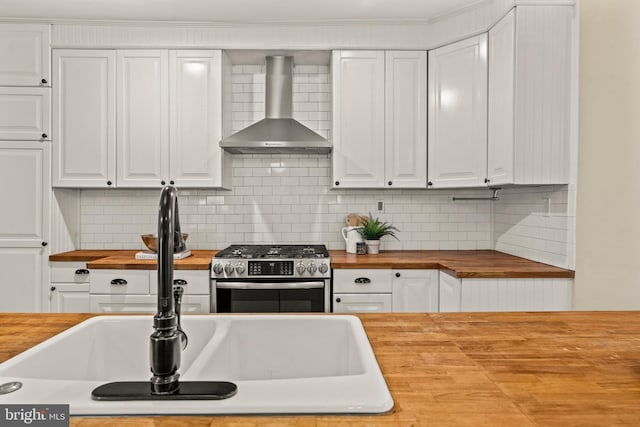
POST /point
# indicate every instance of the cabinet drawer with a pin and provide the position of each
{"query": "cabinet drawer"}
(356, 281)
(361, 303)
(197, 281)
(69, 272)
(144, 304)
(120, 282)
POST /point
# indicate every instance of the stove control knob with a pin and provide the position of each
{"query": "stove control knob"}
(240, 268)
(217, 268)
(323, 268)
(301, 268)
(312, 268)
(229, 269)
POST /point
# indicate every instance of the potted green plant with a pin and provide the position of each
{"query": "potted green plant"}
(372, 230)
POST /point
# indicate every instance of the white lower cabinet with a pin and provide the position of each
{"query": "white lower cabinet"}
(504, 294)
(69, 290)
(415, 291)
(69, 298)
(385, 290)
(123, 303)
(361, 303)
(361, 290)
(121, 291)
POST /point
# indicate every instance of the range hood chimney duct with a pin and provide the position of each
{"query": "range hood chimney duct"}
(278, 132)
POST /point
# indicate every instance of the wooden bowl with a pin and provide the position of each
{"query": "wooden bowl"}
(151, 241)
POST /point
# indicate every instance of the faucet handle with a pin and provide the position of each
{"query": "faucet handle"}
(178, 291)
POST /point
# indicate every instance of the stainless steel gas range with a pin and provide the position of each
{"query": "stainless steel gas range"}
(271, 278)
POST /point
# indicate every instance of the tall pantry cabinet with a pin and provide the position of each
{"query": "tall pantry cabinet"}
(24, 166)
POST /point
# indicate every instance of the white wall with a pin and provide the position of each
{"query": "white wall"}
(608, 211)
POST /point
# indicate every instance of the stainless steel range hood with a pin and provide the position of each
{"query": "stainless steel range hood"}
(278, 132)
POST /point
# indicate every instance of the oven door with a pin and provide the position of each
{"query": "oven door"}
(269, 297)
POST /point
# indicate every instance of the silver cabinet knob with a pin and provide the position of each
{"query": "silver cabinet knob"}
(217, 268)
(323, 268)
(229, 269)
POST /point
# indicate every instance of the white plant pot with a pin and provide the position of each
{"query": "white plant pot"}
(373, 246)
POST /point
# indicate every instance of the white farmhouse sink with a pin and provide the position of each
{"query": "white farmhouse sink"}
(280, 363)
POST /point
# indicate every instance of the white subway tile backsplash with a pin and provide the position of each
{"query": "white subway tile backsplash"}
(524, 225)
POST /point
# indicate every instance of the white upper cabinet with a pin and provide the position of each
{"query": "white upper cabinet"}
(115, 126)
(379, 113)
(501, 132)
(142, 147)
(406, 119)
(84, 94)
(28, 47)
(196, 119)
(358, 118)
(25, 113)
(458, 114)
(529, 96)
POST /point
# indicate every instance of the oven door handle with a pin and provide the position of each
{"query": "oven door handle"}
(270, 285)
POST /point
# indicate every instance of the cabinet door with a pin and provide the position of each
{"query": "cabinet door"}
(25, 113)
(358, 118)
(22, 278)
(69, 298)
(450, 293)
(142, 147)
(24, 219)
(415, 291)
(195, 118)
(144, 304)
(84, 95)
(458, 114)
(406, 119)
(500, 144)
(361, 303)
(24, 50)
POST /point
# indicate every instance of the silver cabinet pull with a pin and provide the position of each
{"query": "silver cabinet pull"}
(362, 280)
(180, 282)
(118, 282)
(82, 271)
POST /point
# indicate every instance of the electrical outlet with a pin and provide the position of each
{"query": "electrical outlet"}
(379, 206)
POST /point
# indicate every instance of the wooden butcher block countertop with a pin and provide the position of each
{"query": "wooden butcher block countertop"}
(125, 260)
(470, 264)
(452, 369)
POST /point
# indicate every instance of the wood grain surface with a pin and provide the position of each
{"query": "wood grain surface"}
(473, 263)
(453, 369)
(461, 264)
(125, 260)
